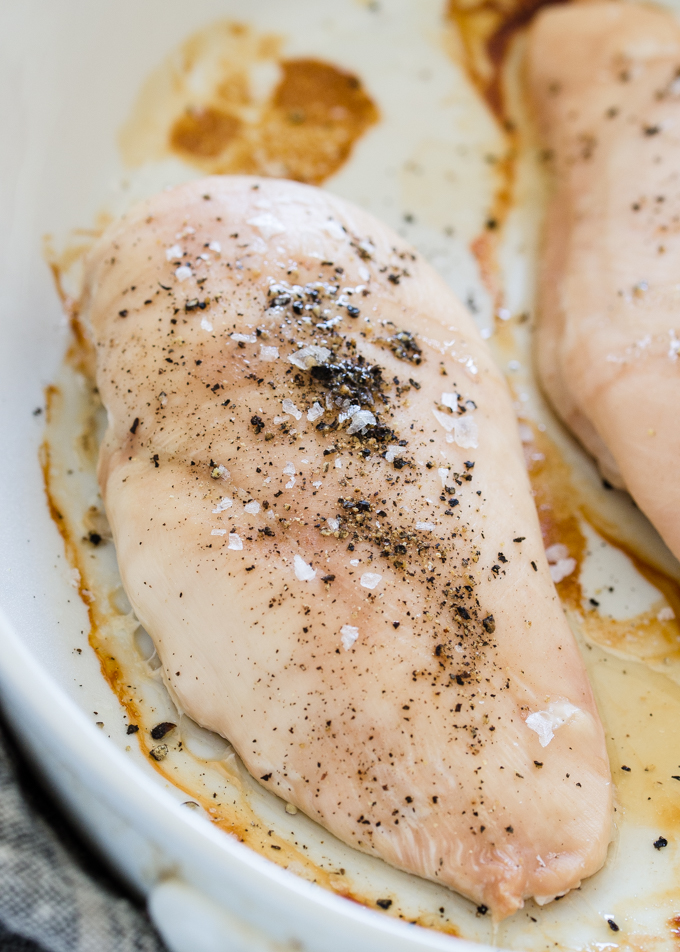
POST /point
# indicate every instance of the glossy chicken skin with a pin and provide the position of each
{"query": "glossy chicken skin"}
(604, 82)
(356, 598)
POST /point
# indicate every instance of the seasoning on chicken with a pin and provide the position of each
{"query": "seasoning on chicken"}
(321, 515)
(604, 79)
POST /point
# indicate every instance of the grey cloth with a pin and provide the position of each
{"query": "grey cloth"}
(54, 895)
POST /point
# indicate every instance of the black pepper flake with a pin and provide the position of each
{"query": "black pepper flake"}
(133, 428)
(652, 130)
(660, 843)
(266, 776)
(533, 565)
(538, 763)
(509, 829)
(482, 910)
(612, 925)
(623, 767)
(257, 422)
(94, 538)
(519, 539)
(123, 313)
(384, 903)
(160, 730)
(132, 729)
(395, 624)
(352, 310)
(489, 624)
(328, 578)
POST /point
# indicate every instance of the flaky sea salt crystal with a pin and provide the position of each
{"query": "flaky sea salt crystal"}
(426, 526)
(223, 504)
(445, 420)
(289, 407)
(183, 272)
(303, 571)
(334, 229)
(244, 338)
(173, 254)
(545, 723)
(360, 420)
(391, 453)
(556, 552)
(315, 412)
(312, 356)
(215, 246)
(370, 580)
(466, 434)
(349, 635)
(443, 474)
(450, 400)
(290, 483)
(268, 353)
(333, 524)
(205, 324)
(267, 224)
(289, 469)
(235, 542)
(252, 507)
(218, 532)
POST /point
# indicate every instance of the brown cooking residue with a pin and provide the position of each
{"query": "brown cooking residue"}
(228, 103)
(486, 28)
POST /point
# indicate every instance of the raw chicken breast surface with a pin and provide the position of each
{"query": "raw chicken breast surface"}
(604, 79)
(321, 514)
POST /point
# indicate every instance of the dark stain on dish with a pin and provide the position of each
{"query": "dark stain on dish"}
(487, 28)
(306, 131)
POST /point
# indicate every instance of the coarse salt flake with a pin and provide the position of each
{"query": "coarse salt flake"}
(450, 400)
(290, 483)
(333, 524)
(174, 254)
(370, 580)
(561, 569)
(311, 356)
(360, 420)
(218, 532)
(268, 353)
(545, 723)
(349, 635)
(556, 552)
(244, 338)
(443, 474)
(252, 507)
(391, 453)
(315, 412)
(235, 542)
(223, 504)
(303, 571)
(289, 407)
(183, 272)
(268, 225)
(215, 246)
(426, 526)
(205, 324)
(289, 469)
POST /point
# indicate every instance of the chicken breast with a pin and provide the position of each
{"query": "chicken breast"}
(321, 514)
(604, 82)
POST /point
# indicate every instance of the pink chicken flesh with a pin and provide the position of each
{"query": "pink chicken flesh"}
(604, 79)
(316, 490)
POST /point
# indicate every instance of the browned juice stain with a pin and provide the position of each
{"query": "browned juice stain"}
(485, 30)
(303, 126)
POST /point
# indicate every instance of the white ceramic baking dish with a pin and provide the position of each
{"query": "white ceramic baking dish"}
(70, 74)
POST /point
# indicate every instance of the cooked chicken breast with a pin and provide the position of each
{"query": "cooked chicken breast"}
(604, 79)
(322, 516)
